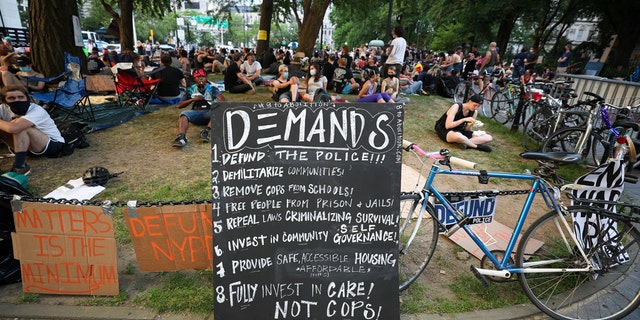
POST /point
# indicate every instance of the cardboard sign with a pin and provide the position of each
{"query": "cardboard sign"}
(305, 210)
(170, 238)
(65, 249)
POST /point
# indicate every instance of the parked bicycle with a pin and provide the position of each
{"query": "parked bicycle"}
(465, 89)
(556, 272)
(596, 139)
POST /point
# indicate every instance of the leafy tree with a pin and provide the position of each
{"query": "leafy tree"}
(47, 47)
(449, 36)
(619, 18)
(96, 18)
(124, 19)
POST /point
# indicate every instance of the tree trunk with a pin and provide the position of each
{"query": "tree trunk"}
(504, 32)
(126, 24)
(626, 42)
(266, 11)
(308, 29)
(51, 33)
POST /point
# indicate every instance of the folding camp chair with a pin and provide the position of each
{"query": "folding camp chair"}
(71, 97)
(134, 90)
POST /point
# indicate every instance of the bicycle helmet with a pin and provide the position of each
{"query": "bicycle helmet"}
(96, 176)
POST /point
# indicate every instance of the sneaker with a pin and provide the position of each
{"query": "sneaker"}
(180, 141)
(422, 92)
(204, 135)
(484, 148)
(24, 170)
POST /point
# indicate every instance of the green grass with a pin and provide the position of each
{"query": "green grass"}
(180, 292)
(114, 301)
(470, 295)
(193, 291)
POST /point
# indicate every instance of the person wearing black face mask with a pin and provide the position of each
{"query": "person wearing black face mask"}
(27, 129)
(391, 85)
(200, 96)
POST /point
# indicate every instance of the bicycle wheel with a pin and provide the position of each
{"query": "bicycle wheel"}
(500, 108)
(568, 140)
(537, 129)
(414, 254)
(611, 291)
(461, 92)
(486, 104)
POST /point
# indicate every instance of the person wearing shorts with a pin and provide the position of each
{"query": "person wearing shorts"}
(27, 129)
(199, 96)
(455, 125)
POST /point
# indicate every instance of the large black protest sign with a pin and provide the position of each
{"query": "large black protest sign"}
(305, 210)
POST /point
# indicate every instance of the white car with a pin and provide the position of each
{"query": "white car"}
(112, 47)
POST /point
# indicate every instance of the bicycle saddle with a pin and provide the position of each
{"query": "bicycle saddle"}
(626, 123)
(563, 157)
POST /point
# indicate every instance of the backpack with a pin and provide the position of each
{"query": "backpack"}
(321, 95)
(73, 138)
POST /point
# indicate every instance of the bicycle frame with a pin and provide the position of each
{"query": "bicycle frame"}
(504, 268)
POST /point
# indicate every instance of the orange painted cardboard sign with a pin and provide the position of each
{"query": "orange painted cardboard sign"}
(65, 249)
(171, 238)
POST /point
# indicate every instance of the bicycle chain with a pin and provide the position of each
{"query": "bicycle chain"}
(487, 193)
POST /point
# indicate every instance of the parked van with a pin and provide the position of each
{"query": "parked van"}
(86, 35)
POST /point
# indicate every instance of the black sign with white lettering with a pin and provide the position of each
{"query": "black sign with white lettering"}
(305, 210)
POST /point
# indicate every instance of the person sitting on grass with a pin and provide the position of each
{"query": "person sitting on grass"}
(234, 80)
(200, 96)
(286, 88)
(368, 92)
(316, 82)
(455, 125)
(27, 128)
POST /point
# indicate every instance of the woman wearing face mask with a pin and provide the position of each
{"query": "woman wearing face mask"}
(286, 88)
(27, 128)
(391, 85)
(315, 81)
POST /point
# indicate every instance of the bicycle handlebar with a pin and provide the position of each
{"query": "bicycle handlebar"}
(458, 162)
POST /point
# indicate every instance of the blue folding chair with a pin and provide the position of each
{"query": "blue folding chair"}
(71, 98)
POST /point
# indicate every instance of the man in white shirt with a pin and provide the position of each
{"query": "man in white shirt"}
(27, 128)
(251, 68)
(396, 50)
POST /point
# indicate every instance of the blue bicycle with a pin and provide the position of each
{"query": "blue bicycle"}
(565, 272)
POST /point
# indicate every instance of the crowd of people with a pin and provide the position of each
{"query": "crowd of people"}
(373, 74)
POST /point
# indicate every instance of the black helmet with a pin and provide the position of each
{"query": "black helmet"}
(96, 176)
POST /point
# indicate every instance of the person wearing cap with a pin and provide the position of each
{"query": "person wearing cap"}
(7, 43)
(200, 96)
(455, 126)
(27, 75)
(234, 80)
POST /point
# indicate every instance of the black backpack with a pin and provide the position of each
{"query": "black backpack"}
(9, 267)
(321, 95)
(73, 137)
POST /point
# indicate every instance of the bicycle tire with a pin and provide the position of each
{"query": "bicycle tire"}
(567, 140)
(500, 108)
(461, 92)
(537, 129)
(414, 257)
(595, 294)
(486, 104)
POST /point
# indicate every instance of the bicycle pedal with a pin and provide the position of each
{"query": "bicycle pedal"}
(480, 277)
